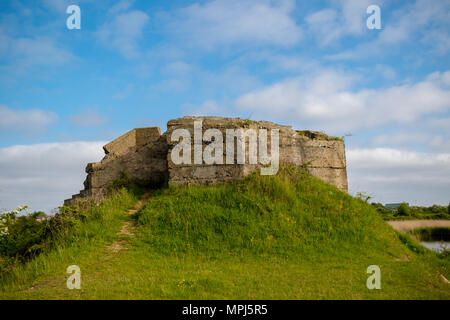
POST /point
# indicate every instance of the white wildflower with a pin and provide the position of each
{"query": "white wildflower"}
(9, 215)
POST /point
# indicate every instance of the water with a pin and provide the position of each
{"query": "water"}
(438, 246)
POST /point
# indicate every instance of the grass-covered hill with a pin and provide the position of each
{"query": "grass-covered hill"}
(288, 236)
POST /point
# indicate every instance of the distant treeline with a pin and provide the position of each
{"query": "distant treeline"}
(405, 212)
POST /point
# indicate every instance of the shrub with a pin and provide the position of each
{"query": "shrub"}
(404, 210)
(385, 212)
(26, 236)
(6, 217)
(363, 196)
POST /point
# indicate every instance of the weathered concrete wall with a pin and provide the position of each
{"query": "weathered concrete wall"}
(144, 155)
(139, 154)
(136, 138)
(324, 155)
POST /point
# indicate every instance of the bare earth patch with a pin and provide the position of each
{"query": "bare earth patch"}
(116, 246)
(128, 227)
(402, 258)
(445, 279)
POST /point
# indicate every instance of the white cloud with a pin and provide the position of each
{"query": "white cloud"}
(412, 18)
(440, 143)
(440, 124)
(178, 68)
(124, 32)
(385, 71)
(178, 77)
(422, 136)
(331, 24)
(43, 175)
(427, 26)
(27, 52)
(208, 108)
(173, 85)
(124, 92)
(400, 139)
(31, 120)
(278, 62)
(57, 5)
(32, 53)
(391, 175)
(88, 118)
(243, 22)
(120, 6)
(229, 80)
(326, 101)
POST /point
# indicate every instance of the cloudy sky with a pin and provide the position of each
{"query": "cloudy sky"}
(309, 64)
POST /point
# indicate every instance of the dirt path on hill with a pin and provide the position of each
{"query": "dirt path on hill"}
(128, 227)
(126, 232)
(408, 225)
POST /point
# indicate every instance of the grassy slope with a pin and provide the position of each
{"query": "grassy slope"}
(285, 237)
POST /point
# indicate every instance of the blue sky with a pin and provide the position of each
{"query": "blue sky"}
(309, 64)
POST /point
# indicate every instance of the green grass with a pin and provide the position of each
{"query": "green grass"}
(319, 136)
(288, 236)
(82, 246)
